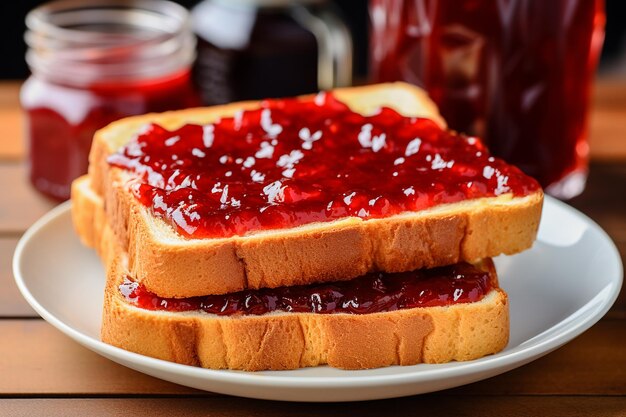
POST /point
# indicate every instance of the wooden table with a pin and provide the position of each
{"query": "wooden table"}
(43, 372)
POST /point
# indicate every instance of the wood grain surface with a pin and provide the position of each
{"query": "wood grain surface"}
(21, 204)
(43, 372)
(11, 302)
(432, 405)
(65, 367)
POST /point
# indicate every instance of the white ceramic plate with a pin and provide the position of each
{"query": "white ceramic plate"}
(557, 290)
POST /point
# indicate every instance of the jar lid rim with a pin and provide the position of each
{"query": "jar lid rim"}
(114, 39)
(41, 19)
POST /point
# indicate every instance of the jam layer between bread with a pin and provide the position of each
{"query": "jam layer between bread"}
(372, 293)
(297, 161)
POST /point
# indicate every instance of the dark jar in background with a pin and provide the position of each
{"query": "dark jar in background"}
(93, 63)
(254, 49)
(517, 73)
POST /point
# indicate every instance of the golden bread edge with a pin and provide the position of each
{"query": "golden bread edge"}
(286, 341)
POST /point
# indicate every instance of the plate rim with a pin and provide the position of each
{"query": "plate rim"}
(517, 357)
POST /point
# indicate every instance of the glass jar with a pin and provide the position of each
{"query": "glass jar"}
(254, 49)
(93, 63)
(517, 73)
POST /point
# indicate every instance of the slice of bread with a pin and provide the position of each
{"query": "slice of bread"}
(294, 340)
(172, 265)
(287, 340)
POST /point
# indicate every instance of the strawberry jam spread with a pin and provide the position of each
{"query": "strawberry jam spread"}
(293, 161)
(372, 293)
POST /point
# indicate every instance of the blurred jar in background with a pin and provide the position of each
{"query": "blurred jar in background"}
(253, 49)
(93, 63)
(517, 73)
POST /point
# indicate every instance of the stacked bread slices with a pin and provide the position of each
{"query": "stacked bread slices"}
(160, 278)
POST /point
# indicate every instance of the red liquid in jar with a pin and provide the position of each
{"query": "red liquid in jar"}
(372, 293)
(62, 119)
(516, 72)
(293, 162)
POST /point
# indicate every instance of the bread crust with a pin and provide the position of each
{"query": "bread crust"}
(287, 340)
(174, 266)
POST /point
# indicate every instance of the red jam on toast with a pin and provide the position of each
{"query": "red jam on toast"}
(372, 293)
(297, 161)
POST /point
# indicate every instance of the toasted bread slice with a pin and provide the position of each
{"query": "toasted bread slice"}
(288, 340)
(172, 265)
(294, 340)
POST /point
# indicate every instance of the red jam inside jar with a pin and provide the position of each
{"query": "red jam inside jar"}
(372, 293)
(295, 161)
(62, 119)
(517, 73)
(93, 64)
